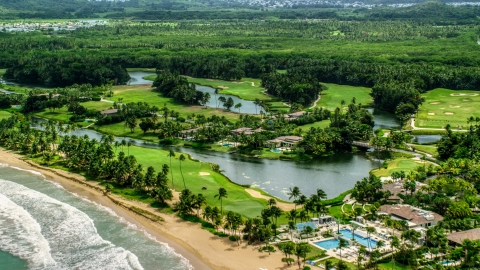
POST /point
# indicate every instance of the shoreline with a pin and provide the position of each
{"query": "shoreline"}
(202, 249)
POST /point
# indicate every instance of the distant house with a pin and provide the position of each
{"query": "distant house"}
(295, 115)
(288, 141)
(457, 238)
(109, 112)
(187, 133)
(54, 96)
(397, 188)
(245, 130)
(415, 217)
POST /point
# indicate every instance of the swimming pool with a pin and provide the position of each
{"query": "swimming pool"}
(227, 144)
(360, 239)
(276, 151)
(302, 226)
(328, 244)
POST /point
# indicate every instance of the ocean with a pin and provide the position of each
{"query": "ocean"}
(43, 226)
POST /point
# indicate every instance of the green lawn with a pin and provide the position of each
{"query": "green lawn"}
(332, 97)
(389, 266)
(320, 124)
(335, 261)
(238, 199)
(4, 114)
(443, 106)
(140, 93)
(430, 149)
(246, 88)
(397, 165)
(2, 71)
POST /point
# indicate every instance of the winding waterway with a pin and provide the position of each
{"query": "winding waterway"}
(334, 174)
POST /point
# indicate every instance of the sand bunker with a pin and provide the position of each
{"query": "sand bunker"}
(463, 94)
(434, 103)
(204, 173)
(454, 106)
(448, 113)
(431, 113)
(222, 86)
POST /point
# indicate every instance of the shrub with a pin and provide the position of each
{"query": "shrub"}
(96, 98)
(233, 238)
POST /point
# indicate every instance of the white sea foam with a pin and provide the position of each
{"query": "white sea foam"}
(29, 171)
(72, 237)
(168, 249)
(21, 235)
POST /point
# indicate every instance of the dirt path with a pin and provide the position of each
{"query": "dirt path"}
(281, 205)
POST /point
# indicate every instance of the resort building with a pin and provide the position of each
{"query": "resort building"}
(415, 217)
(109, 112)
(245, 130)
(457, 238)
(295, 115)
(287, 141)
(188, 133)
(397, 188)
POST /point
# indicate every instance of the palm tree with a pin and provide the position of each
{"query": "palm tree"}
(354, 227)
(292, 215)
(222, 193)
(394, 244)
(380, 244)
(182, 158)
(165, 169)
(238, 106)
(321, 194)
(171, 154)
(294, 193)
(370, 230)
(341, 244)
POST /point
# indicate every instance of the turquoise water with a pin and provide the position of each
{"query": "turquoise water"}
(362, 240)
(302, 226)
(42, 226)
(328, 244)
(276, 151)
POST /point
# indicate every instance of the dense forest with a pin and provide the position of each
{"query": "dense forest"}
(399, 57)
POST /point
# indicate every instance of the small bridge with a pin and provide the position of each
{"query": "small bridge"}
(362, 144)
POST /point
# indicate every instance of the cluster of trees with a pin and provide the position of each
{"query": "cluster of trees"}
(295, 88)
(53, 70)
(461, 144)
(177, 87)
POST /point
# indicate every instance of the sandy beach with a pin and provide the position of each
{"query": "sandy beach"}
(203, 249)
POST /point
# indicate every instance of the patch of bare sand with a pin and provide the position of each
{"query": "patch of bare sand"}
(449, 113)
(434, 103)
(203, 173)
(222, 86)
(431, 113)
(281, 205)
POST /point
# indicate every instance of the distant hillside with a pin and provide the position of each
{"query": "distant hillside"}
(61, 8)
(428, 11)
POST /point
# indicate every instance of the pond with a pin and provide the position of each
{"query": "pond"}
(384, 119)
(334, 174)
(426, 138)
(247, 106)
(136, 77)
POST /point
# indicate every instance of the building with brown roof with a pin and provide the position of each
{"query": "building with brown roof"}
(245, 130)
(457, 238)
(396, 188)
(415, 217)
(288, 141)
(109, 112)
